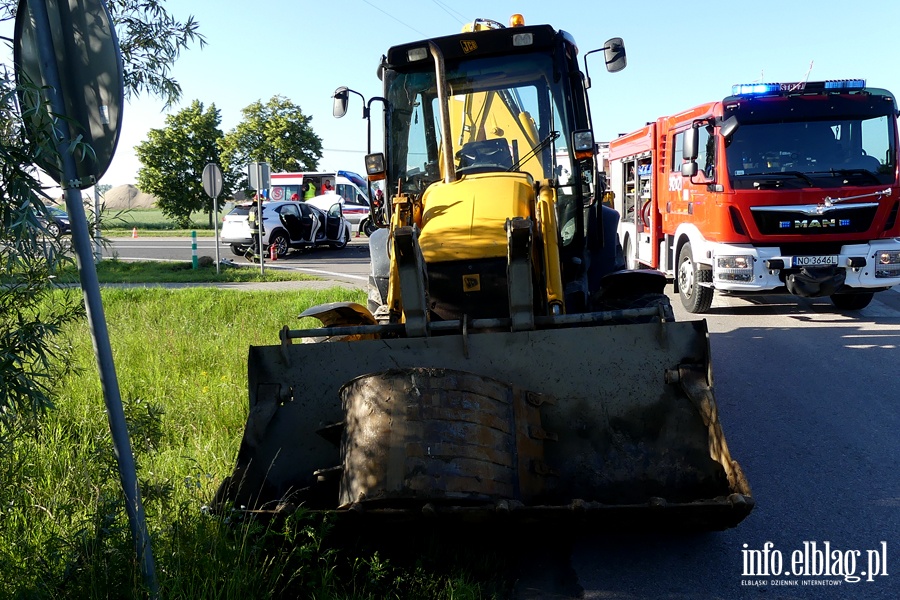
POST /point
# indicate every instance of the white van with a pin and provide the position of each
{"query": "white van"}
(350, 187)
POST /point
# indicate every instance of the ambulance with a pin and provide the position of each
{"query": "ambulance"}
(351, 189)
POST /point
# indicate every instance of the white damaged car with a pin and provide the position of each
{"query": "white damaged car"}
(287, 225)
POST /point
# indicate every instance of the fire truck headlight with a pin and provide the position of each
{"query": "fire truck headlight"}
(887, 264)
(734, 268)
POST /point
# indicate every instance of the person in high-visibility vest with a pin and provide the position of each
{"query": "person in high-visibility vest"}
(309, 190)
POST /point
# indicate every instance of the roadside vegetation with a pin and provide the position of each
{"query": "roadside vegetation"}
(155, 272)
(181, 363)
(180, 358)
(153, 222)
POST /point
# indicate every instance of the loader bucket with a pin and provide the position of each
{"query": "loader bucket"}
(611, 425)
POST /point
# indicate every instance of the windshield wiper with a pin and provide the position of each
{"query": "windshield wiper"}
(543, 144)
(866, 172)
(779, 175)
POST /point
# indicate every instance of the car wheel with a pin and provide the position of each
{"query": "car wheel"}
(369, 227)
(239, 250)
(344, 241)
(852, 301)
(695, 297)
(53, 229)
(281, 242)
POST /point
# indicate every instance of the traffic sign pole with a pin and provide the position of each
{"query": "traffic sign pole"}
(258, 174)
(72, 184)
(212, 185)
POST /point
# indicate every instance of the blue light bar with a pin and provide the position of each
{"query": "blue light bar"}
(763, 89)
(753, 89)
(845, 84)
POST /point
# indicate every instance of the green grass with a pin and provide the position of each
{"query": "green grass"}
(181, 360)
(117, 271)
(151, 221)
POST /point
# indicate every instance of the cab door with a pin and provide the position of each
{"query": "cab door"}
(308, 222)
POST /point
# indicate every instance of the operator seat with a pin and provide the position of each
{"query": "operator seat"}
(484, 156)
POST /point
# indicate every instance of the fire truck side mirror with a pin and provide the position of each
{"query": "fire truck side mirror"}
(728, 128)
(689, 151)
(691, 141)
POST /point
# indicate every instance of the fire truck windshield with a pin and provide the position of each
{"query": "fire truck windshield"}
(812, 141)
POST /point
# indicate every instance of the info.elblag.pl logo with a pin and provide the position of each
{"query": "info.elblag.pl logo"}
(813, 564)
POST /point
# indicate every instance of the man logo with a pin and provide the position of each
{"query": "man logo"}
(818, 223)
(471, 283)
(814, 223)
(468, 46)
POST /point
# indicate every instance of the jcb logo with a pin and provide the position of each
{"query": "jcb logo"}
(675, 182)
(468, 46)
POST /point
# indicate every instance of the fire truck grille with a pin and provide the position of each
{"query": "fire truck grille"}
(849, 220)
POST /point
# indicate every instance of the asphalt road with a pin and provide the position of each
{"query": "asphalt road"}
(808, 399)
(348, 265)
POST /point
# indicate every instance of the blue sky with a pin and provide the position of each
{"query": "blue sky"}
(679, 54)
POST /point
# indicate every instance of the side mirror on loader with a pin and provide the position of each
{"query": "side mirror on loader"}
(614, 54)
(341, 97)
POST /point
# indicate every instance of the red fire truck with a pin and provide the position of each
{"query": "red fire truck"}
(778, 188)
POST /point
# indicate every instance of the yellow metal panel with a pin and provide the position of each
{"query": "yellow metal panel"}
(550, 234)
(465, 219)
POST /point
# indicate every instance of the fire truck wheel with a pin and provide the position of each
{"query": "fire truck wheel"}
(852, 301)
(695, 297)
(631, 261)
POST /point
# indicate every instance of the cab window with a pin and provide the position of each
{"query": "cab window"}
(675, 156)
(706, 152)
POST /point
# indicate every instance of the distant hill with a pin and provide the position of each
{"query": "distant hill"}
(127, 196)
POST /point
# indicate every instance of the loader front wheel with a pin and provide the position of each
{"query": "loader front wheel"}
(695, 297)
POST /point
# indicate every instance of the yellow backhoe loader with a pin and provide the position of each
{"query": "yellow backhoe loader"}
(506, 364)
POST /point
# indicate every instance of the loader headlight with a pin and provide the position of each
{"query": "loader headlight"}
(887, 264)
(523, 39)
(734, 268)
(417, 54)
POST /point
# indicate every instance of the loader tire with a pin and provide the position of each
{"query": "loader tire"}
(642, 301)
(695, 297)
(655, 300)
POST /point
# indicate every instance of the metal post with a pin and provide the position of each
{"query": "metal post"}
(90, 286)
(216, 229)
(98, 249)
(259, 219)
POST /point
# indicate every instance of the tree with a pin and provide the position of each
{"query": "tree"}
(173, 159)
(277, 133)
(151, 40)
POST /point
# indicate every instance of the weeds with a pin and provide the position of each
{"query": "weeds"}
(181, 361)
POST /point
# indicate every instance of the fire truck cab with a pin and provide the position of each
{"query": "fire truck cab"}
(778, 188)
